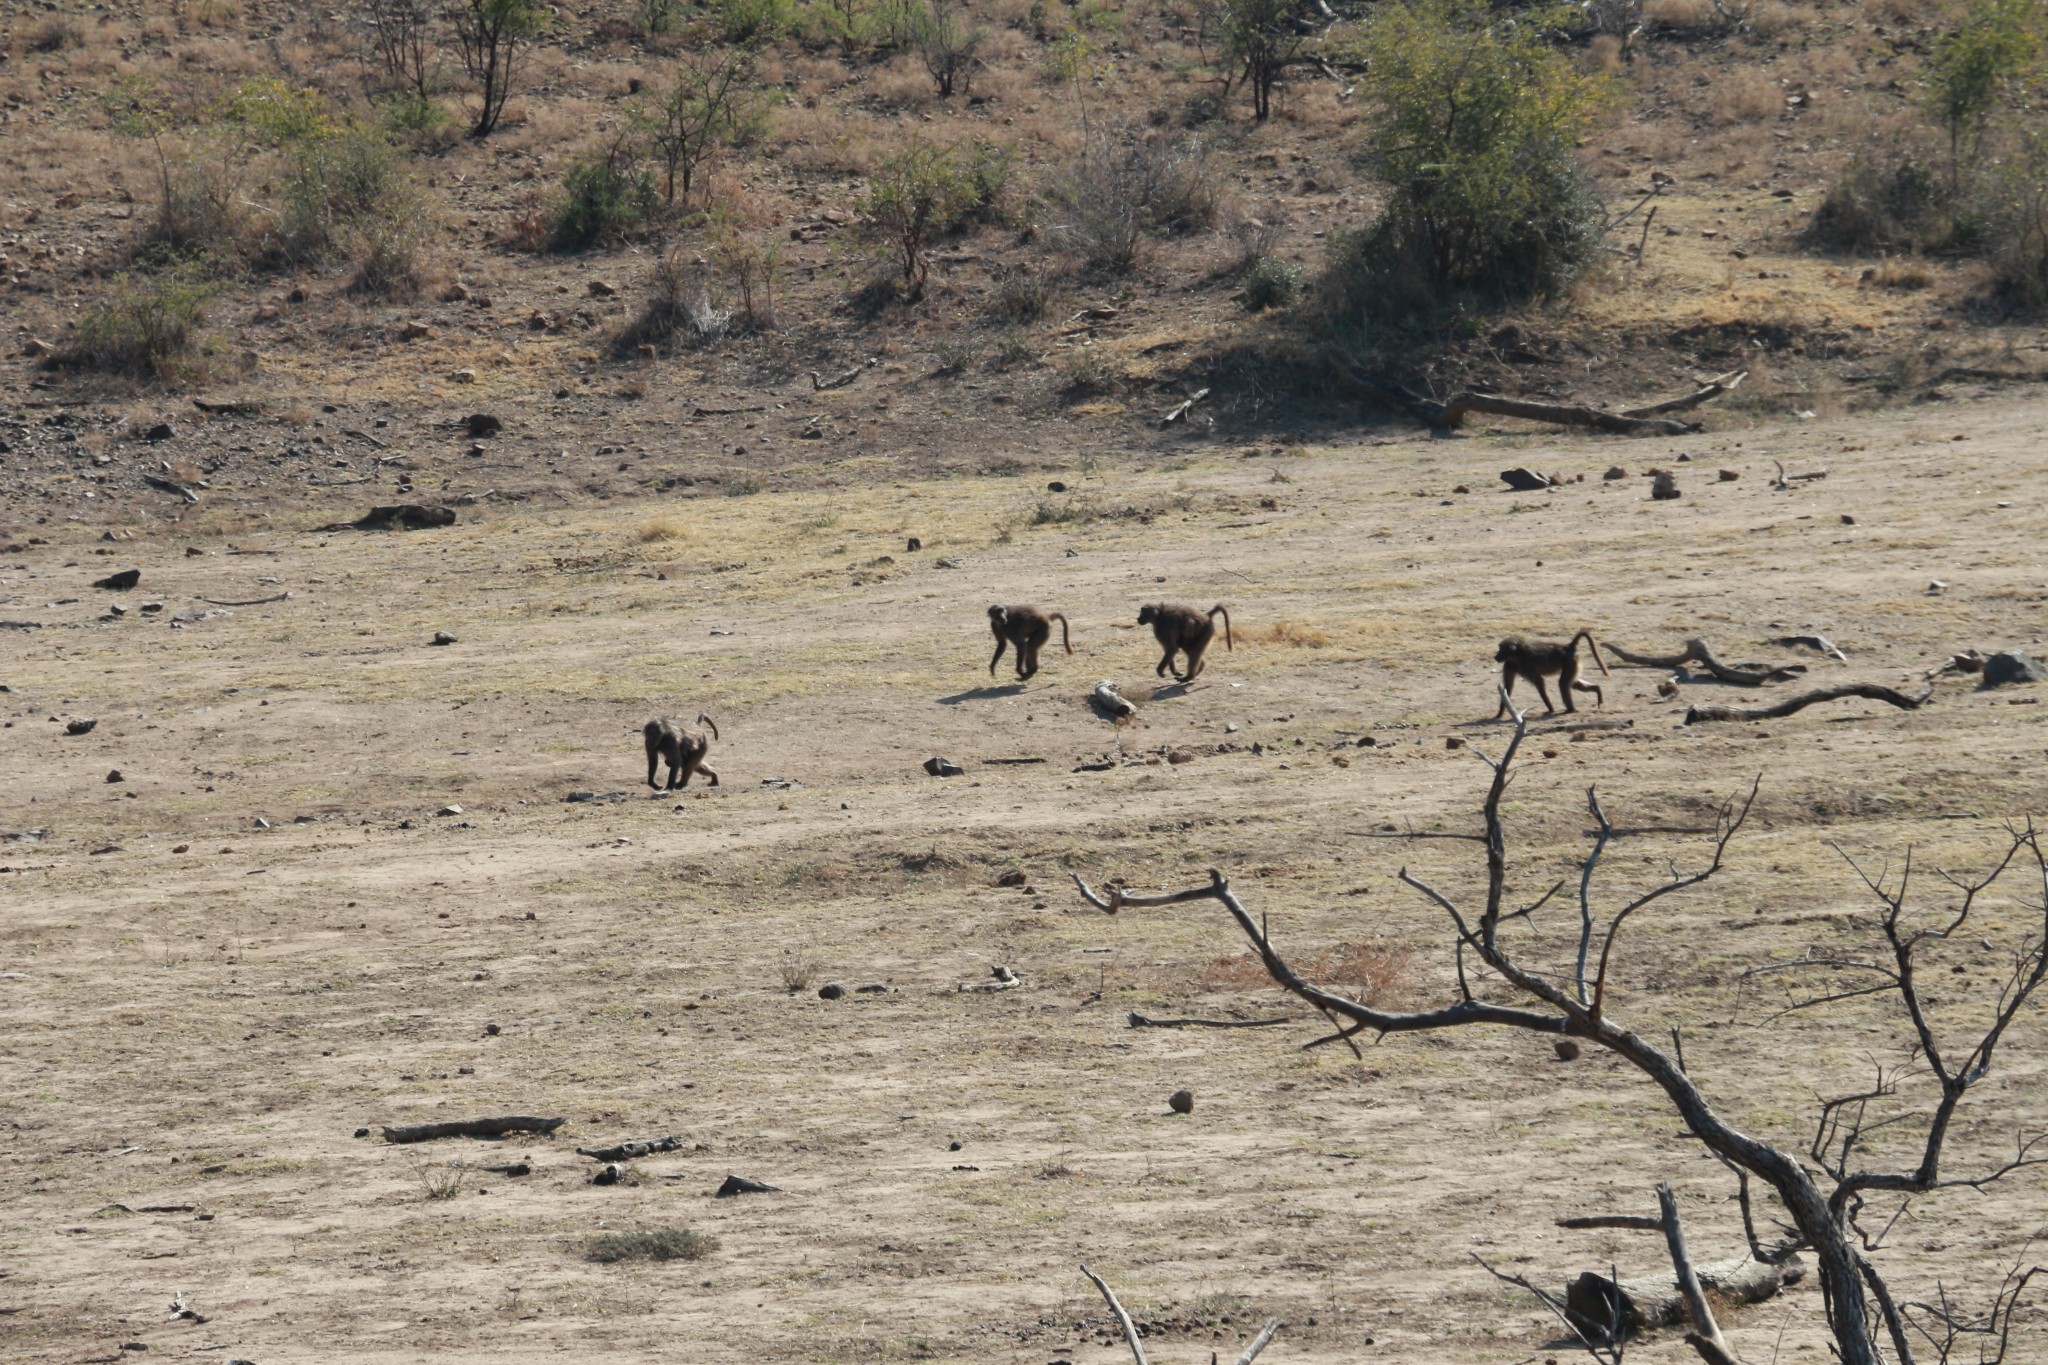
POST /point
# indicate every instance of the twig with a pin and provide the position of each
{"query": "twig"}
(252, 602)
(1705, 1338)
(1869, 691)
(1138, 1020)
(1130, 1328)
(171, 486)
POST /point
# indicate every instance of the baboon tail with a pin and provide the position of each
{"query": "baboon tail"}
(1226, 625)
(1593, 645)
(709, 723)
(1061, 618)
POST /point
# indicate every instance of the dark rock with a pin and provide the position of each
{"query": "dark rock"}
(162, 431)
(739, 1184)
(1181, 1101)
(442, 637)
(120, 582)
(82, 726)
(1524, 480)
(405, 516)
(114, 775)
(913, 544)
(1615, 472)
(942, 767)
(1014, 877)
(1055, 487)
(483, 424)
(832, 990)
(608, 1174)
(2012, 666)
(580, 796)
(1567, 1049)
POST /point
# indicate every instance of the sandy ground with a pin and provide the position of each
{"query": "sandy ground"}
(203, 1012)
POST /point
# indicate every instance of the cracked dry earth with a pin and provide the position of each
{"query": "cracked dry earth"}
(201, 1013)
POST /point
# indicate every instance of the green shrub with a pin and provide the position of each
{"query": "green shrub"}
(386, 252)
(1997, 43)
(655, 1244)
(143, 325)
(947, 42)
(1474, 121)
(335, 182)
(915, 195)
(605, 195)
(1271, 283)
(755, 21)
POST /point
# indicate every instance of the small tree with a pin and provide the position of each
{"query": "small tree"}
(948, 44)
(1824, 1188)
(1257, 40)
(713, 102)
(403, 34)
(1474, 122)
(494, 35)
(916, 194)
(1997, 42)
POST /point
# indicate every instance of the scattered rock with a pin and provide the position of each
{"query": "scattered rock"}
(2012, 666)
(162, 431)
(912, 544)
(611, 1173)
(35, 349)
(120, 582)
(1524, 480)
(1848, 520)
(831, 990)
(739, 1184)
(945, 563)
(491, 1030)
(1667, 688)
(1936, 587)
(1567, 1049)
(1454, 742)
(1055, 487)
(1730, 475)
(580, 796)
(262, 823)
(1181, 1101)
(1367, 742)
(150, 608)
(599, 289)
(1614, 472)
(1179, 756)
(942, 767)
(114, 775)
(449, 810)
(873, 988)
(483, 424)
(1462, 489)
(82, 726)
(1664, 486)
(462, 376)
(414, 331)
(1014, 877)
(442, 637)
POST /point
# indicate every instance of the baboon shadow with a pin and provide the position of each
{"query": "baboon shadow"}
(1015, 689)
(1173, 689)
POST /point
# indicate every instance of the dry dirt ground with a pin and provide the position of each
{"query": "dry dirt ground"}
(203, 1012)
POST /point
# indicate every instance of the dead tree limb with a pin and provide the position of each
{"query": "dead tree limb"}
(1540, 989)
(252, 602)
(1137, 1020)
(1451, 413)
(626, 1151)
(478, 1128)
(1260, 1342)
(1705, 1337)
(1870, 691)
(1112, 702)
(171, 486)
(1713, 388)
(1123, 1318)
(1647, 1304)
(1698, 651)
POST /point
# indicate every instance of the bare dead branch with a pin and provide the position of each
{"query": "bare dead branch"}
(1869, 691)
(1123, 1318)
(1698, 651)
(1260, 1342)
(1137, 1020)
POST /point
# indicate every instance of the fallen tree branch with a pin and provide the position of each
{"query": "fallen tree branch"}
(252, 602)
(739, 1184)
(1112, 702)
(1713, 388)
(1187, 405)
(1697, 651)
(1451, 413)
(819, 384)
(1819, 642)
(1260, 1342)
(1137, 1020)
(727, 412)
(480, 1128)
(171, 486)
(626, 1151)
(1595, 1300)
(1870, 691)
(1123, 1318)
(1785, 480)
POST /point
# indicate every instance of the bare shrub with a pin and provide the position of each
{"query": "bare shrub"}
(1126, 187)
(800, 970)
(143, 325)
(654, 1244)
(682, 302)
(948, 44)
(494, 35)
(402, 35)
(713, 101)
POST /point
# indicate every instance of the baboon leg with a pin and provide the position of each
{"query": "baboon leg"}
(1567, 679)
(1544, 692)
(1027, 661)
(1165, 662)
(708, 773)
(1599, 697)
(653, 760)
(997, 657)
(1507, 688)
(1194, 662)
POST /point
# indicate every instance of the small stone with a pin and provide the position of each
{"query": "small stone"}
(2012, 666)
(182, 848)
(262, 823)
(449, 810)
(150, 608)
(1056, 487)
(442, 637)
(574, 797)
(1340, 761)
(1615, 472)
(462, 376)
(831, 990)
(1461, 488)
(1179, 756)
(913, 544)
(1936, 587)
(1730, 475)
(82, 726)
(608, 1174)
(1848, 520)
(1524, 480)
(162, 431)
(1567, 1049)
(1014, 877)
(120, 582)
(414, 331)
(483, 424)
(1667, 688)
(1454, 742)
(938, 766)
(114, 775)
(599, 289)
(1181, 1101)
(1367, 742)
(1664, 486)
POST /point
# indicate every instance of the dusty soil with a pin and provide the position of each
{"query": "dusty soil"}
(201, 1011)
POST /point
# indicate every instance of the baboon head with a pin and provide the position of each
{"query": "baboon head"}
(1147, 615)
(1509, 648)
(996, 614)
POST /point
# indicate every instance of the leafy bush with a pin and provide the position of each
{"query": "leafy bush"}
(143, 326)
(916, 194)
(1998, 42)
(335, 182)
(387, 252)
(655, 1244)
(1257, 39)
(1271, 283)
(1124, 188)
(1475, 118)
(755, 21)
(605, 195)
(713, 102)
(1900, 205)
(948, 44)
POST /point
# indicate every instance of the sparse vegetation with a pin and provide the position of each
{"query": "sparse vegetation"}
(142, 325)
(1258, 40)
(947, 41)
(439, 1181)
(653, 1244)
(606, 195)
(1271, 283)
(800, 969)
(711, 102)
(918, 193)
(1127, 187)
(495, 36)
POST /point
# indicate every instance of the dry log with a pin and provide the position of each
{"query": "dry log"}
(1112, 702)
(1260, 1342)
(1594, 1300)
(626, 1151)
(252, 602)
(1871, 691)
(481, 1128)
(171, 486)
(726, 412)
(1785, 480)
(1713, 388)
(1137, 1020)
(1123, 1318)
(1612, 723)
(1000, 979)
(1697, 651)
(819, 383)
(1000, 761)
(1186, 406)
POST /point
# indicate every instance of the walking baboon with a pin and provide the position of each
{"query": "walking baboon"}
(1540, 659)
(1183, 630)
(683, 749)
(1028, 629)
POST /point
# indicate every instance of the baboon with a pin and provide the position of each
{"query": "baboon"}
(1539, 659)
(1028, 629)
(683, 749)
(1183, 630)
